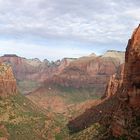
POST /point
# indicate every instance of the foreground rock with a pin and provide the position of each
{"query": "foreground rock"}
(125, 121)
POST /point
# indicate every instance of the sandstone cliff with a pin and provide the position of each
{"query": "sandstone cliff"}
(86, 72)
(125, 119)
(120, 106)
(115, 82)
(7, 81)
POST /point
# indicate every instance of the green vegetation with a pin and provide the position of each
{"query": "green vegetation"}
(80, 94)
(27, 86)
(73, 95)
(25, 121)
(21, 118)
(90, 133)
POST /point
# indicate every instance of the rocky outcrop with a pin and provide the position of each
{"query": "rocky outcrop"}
(115, 82)
(120, 107)
(23, 69)
(132, 66)
(7, 81)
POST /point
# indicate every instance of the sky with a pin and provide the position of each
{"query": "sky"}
(53, 29)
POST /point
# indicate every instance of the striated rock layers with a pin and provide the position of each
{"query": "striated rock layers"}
(86, 72)
(33, 69)
(7, 81)
(120, 106)
(23, 69)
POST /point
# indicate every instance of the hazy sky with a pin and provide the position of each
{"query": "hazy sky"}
(54, 29)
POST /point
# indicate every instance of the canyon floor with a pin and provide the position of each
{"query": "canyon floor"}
(21, 119)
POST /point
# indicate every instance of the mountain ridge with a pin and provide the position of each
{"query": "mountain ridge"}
(30, 73)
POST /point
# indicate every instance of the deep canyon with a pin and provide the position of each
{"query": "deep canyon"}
(91, 97)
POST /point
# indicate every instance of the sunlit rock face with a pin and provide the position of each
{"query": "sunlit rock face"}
(132, 69)
(128, 111)
(7, 81)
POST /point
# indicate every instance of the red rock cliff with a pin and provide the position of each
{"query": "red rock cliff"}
(132, 69)
(115, 82)
(86, 72)
(121, 103)
(7, 81)
(125, 119)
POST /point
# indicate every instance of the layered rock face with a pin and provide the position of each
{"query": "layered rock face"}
(90, 71)
(86, 72)
(120, 107)
(23, 69)
(125, 119)
(7, 81)
(33, 69)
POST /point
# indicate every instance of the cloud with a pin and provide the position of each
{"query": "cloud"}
(91, 21)
(81, 19)
(34, 50)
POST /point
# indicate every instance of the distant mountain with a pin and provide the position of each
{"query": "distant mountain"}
(115, 54)
(88, 72)
(84, 71)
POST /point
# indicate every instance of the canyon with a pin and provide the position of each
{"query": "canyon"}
(75, 93)
(67, 83)
(62, 88)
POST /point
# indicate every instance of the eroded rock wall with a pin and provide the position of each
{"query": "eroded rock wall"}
(7, 81)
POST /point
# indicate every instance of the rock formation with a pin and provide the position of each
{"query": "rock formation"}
(7, 81)
(115, 82)
(120, 106)
(132, 65)
(115, 54)
(86, 72)
(125, 119)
